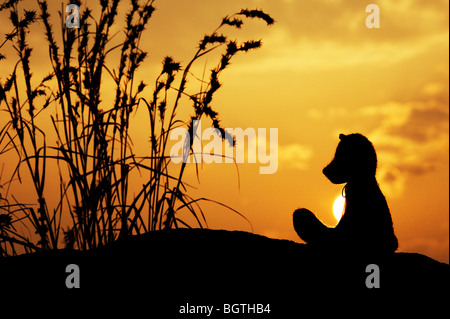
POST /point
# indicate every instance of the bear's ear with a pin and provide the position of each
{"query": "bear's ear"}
(342, 136)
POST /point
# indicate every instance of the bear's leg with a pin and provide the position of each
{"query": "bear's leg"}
(308, 227)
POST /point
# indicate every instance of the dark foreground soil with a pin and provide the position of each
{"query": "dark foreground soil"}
(163, 274)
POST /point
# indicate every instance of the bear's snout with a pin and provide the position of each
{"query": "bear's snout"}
(334, 173)
(325, 171)
(328, 171)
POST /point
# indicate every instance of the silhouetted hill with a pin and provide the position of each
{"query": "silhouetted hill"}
(162, 271)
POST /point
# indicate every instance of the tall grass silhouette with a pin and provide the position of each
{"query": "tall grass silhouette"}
(94, 154)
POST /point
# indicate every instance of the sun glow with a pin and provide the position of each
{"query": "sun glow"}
(338, 207)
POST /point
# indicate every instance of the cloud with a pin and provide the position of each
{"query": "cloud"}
(411, 136)
(290, 156)
(327, 35)
(412, 139)
(259, 147)
(294, 156)
(344, 21)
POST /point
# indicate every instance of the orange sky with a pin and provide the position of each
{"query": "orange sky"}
(321, 72)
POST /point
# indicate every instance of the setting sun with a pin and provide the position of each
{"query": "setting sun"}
(338, 207)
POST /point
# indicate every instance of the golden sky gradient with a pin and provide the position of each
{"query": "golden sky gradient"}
(321, 72)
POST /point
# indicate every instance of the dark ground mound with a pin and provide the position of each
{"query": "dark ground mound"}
(161, 272)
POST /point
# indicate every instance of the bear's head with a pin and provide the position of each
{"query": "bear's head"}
(355, 159)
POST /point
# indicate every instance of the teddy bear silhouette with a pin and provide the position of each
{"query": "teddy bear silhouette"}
(366, 225)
